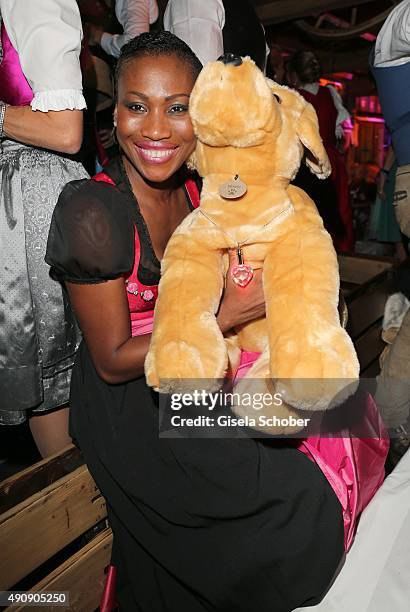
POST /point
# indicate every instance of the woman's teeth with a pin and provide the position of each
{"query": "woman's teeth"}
(157, 153)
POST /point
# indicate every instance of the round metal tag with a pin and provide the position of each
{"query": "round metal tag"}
(233, 189)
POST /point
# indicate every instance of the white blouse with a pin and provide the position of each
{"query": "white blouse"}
(47, 36)
(135, 16)
(199, 24)
(392, 46)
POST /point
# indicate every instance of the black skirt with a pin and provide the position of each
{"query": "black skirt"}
(234, 525)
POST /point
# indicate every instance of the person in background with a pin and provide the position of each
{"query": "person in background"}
(41, 126)
(383, 222)
(135, 17)
(303, 73)
(215, 27)
(390, 65)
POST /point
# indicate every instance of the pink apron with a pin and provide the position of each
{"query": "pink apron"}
(353, 466)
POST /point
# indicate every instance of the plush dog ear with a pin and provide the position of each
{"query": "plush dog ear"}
(308, 132)
(191, 162)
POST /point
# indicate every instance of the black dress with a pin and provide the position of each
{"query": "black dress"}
(238, 525)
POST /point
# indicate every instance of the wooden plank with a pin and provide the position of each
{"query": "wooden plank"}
(33, 479)
(37, 528)
(82, 575)
(366, 306)
(277, 11)
(359, 270)
(369, 346)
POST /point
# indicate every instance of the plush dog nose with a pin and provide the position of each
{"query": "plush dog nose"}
(230, 58)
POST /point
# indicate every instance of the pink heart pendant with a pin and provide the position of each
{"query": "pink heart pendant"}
(241, 274)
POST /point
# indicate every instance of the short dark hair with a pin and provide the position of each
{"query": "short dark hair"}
(156, 44)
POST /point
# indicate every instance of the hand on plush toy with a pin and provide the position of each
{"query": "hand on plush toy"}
(240, 304)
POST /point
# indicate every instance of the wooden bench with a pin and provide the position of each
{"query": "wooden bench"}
(53, 532)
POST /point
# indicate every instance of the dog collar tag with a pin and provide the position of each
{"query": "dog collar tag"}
(233, 189)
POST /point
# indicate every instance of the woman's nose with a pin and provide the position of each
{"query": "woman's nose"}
(156, 125)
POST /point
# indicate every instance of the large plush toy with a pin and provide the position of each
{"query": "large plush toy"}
(252, 134)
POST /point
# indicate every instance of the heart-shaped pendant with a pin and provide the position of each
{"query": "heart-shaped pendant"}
(242, 274)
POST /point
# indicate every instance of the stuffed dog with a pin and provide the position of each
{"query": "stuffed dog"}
(252, 134)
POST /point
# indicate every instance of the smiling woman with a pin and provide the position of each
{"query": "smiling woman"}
(153, 128)
(199, 525)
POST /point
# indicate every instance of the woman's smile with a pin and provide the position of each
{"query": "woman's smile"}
(156, 153)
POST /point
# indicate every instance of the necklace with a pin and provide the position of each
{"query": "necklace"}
(242, 273)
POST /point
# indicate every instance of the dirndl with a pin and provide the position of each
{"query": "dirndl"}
(38, 332)
(383, 225)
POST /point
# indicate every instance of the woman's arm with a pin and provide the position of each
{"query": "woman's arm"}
(47, 37)
(103, 315)
(390, 159)
(387, 166)
(135, 17)
(55, 130)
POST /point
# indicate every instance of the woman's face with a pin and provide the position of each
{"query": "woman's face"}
(153, 126)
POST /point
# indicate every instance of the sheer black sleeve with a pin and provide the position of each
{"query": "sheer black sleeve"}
(91, 237)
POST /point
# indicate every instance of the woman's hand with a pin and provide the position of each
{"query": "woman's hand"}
(240, 304)
(94, 35)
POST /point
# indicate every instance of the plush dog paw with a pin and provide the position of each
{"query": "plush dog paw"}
(316, 394)
(262, 407)
(181, 367)
(321, 374)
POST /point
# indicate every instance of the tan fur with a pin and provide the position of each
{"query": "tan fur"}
(306, 355)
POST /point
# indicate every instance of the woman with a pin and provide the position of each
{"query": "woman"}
(331, 197)
(199, 524)
(38, 337)
(383, 225)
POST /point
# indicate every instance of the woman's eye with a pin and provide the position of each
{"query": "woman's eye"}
(178, 108)
(136, 107)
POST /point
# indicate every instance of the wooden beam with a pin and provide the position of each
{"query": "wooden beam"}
(82, 575)
(33, 479)
(284, 10)
(37, 528)
(344, 61)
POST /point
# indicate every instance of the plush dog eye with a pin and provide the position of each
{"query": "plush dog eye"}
(277, 98)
